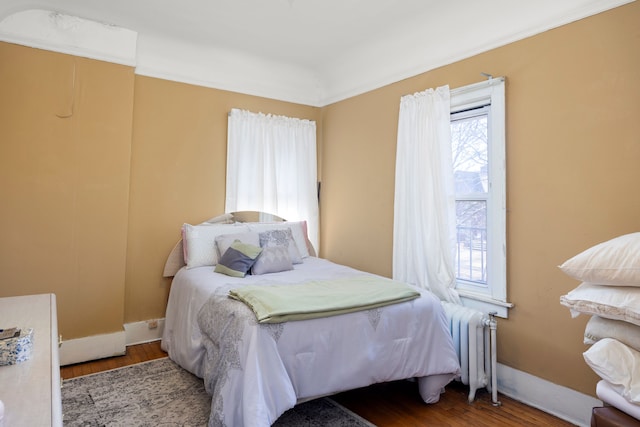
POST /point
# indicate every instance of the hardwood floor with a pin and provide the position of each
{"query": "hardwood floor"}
(135, 354)
(395, 404)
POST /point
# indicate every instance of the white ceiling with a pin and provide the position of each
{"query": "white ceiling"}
(314, 51)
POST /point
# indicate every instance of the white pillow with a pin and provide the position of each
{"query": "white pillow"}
(599, 328)
(612, 302)
(298, 230)
(199, 242)
(617, 364)
(614, 262)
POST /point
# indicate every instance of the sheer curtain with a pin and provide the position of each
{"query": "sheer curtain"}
(424, 206)
(271, 167)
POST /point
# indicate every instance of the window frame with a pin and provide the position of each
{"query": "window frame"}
(494, 297)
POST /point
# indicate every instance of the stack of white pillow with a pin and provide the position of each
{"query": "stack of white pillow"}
(610, 294)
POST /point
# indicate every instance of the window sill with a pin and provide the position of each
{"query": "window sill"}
(484, 303)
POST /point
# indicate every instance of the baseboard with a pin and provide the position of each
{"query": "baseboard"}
(560, 401)
(106, 345)
(145, 331)
(92, 348)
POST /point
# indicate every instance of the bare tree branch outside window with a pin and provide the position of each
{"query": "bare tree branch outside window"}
(470, 164)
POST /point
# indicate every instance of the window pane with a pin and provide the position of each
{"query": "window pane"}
(469, 134)
(471, 250)
(469, 142)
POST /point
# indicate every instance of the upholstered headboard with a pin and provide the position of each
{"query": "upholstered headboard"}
(175, 260)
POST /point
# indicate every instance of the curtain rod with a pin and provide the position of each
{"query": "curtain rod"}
(489, 82)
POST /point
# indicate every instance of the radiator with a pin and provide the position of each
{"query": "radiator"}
(474, 338)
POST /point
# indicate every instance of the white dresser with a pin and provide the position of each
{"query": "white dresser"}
(30, 390)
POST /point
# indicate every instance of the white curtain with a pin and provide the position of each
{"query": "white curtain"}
(424, 208)
(271, 167)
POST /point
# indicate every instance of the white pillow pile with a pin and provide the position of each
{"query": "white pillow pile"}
(610, 293)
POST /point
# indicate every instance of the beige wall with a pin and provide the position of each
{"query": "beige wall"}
(92, 205)
(573, 155)
(65, 141)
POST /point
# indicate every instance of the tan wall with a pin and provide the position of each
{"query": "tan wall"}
(64, 172)
(573, 149)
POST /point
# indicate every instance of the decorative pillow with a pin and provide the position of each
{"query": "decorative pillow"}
(599, 328)
(200, 245)
(272, 260)
(238, 259)
(281, 237)
(617, 364)
(298, 230)
(611, 302)
(224, 241)
(614, 262)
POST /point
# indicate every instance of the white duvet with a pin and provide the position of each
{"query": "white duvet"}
(257, 372)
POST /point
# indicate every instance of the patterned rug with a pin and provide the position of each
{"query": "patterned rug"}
(160, 393)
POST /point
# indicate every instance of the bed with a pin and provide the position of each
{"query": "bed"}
(255, 371)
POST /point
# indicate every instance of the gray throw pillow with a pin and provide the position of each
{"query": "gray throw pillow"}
(272, 260)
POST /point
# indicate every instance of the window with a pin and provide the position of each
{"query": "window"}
(478, 148)
(279, 153)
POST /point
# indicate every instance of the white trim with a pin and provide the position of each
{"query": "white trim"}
(485, 304)
(490, 92)
(476, 94)
(346, 77)
(115, 344)
(71, 35)
(92, 348)
(218, 68)
(562, 402)
(143, 332)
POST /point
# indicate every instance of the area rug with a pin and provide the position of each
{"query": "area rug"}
(160, 393)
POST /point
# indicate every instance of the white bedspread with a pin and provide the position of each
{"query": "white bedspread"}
(256, 372)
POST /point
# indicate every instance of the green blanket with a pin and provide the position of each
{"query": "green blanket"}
(321, 298)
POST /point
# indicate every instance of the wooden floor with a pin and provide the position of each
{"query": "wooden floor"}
(395, 404)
